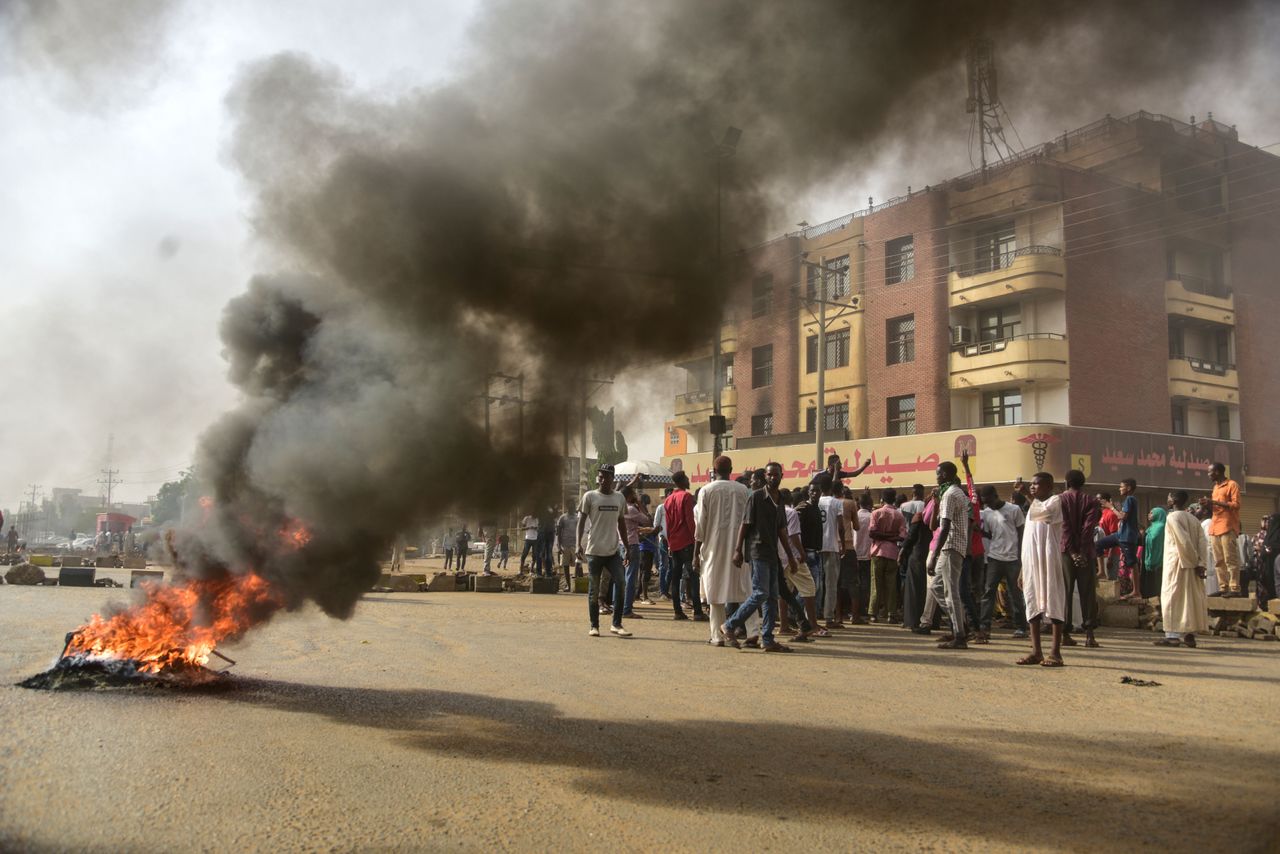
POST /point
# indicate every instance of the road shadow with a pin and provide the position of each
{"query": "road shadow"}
(1044, 790)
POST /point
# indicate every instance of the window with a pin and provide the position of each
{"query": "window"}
(837, 351)
(996, 324)
(902, 415)
(761, 295)
(901, 336)
(837, 278)
(1179, 427)
(728, 373)
(1177, 341)
(1224, 422)
(1001, 408)
(900, 260)
(835, 417)
(762, 366)
(994, 247)
(762, 425)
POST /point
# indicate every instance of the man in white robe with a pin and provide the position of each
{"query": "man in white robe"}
(1043, 583)
(716, 517)
(1183, 605)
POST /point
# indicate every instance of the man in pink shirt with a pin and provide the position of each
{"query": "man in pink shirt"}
(886, 530)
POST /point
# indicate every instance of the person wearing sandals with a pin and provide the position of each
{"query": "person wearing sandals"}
(764, 524)
(717, 512)
(1042, 580)
(603, 507)
(1183, 605)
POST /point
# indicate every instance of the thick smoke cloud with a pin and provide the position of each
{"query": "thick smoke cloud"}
(93, 56)
(549, 211)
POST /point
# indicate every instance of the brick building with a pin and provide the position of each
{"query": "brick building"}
(1105, 291)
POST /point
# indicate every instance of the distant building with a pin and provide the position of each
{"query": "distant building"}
(1087, 304)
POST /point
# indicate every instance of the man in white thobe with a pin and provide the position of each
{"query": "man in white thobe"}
(716, 517)
(1183, 605)
(1043, 583)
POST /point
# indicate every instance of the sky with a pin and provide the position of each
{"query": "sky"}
(126, 227)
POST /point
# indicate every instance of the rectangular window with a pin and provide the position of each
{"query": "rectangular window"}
(835, 417)
(900, 260)
(837, 278)
(837, 351)
(1179, 426)
(1177, 347)
(997, 324)
(901, 336)
(994, 248)
(762, 295)
(728, 373)
(1001, 408)
(902, 415)
(762, 366)
(762, 425)
(1224, 422)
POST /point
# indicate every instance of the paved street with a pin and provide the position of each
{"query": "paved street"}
(473, 721)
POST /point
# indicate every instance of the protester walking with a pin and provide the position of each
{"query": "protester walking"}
(717, 515)
(603, 508)
(1183, 604)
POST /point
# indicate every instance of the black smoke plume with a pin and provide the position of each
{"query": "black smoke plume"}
(551, 210)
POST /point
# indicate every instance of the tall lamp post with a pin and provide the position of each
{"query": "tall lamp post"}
(725, 149)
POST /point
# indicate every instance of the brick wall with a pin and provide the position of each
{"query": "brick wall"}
(1117, 325)
(777, 327)
(925, 296)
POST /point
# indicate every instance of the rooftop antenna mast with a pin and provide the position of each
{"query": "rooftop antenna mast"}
(984, 100)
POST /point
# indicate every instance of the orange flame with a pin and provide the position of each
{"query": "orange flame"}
(294, 534)
(178, 624)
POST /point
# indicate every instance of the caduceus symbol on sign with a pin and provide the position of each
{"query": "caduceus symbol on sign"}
(1039, 443)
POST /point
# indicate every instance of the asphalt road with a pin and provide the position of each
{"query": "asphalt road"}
(482, 721)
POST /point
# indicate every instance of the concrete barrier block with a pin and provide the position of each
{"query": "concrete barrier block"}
(135, 562)
(542, 584)
(581, 585)
(443, 582)
(1232, 606)
(1108, 590)
(70, 560)
(40, 560)
(1273, 607)
(76, 576)
(140, 575)
(107, 562)
(487, 583)
(1119, 616)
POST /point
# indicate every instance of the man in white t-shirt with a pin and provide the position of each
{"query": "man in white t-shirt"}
(915, 505)
(1002, 524)
(833, 545)
(603, 509)
(530, 525)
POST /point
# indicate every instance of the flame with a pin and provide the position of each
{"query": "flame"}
(294, 534)
(178, 624)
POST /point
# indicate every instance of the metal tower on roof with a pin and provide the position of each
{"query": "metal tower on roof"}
(984, 102)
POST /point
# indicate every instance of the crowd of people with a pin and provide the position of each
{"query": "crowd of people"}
(759, 562)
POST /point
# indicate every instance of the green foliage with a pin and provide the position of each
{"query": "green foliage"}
(174, 497)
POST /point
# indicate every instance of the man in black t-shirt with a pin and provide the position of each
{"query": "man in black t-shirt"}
(763, 527)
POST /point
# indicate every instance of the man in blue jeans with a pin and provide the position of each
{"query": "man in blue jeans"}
(1126, 539)
(604, 508)
(762, 528)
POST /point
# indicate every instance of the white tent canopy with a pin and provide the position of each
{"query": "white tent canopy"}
(648, 468)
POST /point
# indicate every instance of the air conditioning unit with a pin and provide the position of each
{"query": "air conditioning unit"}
(961, 335)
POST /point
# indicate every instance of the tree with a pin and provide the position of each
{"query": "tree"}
(173, 497)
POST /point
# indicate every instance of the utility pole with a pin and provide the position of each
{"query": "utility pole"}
(724, 150)
(109, 480)
(820, 412)
(31, 509)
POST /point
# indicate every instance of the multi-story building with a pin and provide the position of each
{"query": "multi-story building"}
(1096, 302)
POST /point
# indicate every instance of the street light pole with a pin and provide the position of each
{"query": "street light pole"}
(724, 150)
(819, 414)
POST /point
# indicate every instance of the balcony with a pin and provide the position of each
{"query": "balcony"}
(694, 407)
(1026, 271)
(1035, 357)
(728, 344)
(1200, 379)
(1199, 299)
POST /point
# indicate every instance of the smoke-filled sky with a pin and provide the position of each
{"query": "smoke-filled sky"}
(145, 167)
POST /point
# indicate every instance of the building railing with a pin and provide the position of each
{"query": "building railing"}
(1003, 260)
(1201, 285)
(980, 348)
(1206, 366)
